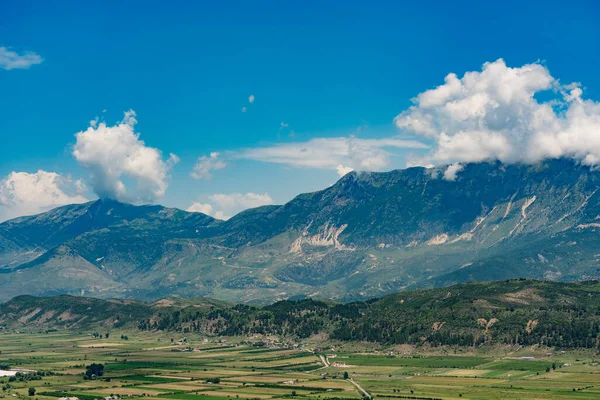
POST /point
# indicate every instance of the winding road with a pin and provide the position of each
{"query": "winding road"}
(325, 361)
(326, 364)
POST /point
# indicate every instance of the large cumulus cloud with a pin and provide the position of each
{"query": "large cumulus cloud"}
(497, 114)
(115, 155)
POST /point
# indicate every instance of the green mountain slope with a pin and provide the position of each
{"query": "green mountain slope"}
(367, 235)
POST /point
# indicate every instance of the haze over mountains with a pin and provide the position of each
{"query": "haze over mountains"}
(367, 235)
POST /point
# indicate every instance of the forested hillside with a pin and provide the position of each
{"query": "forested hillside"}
(525, 312)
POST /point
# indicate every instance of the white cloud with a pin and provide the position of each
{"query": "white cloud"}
(341, 170)
(23, 193)
(221, 215)
(80, 186)
(206, 164)
(114, 154)
(451, 171)
(208, 210)
(13, 60)
(241, 201)
(250, 101)
(201, 208)
(330, 153)
(494, 114)
(230, 204)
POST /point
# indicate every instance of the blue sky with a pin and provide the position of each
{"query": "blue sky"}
(317, 70)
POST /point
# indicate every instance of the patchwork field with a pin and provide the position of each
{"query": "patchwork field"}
(154, 366)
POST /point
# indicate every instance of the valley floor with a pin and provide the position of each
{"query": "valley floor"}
(158, 366)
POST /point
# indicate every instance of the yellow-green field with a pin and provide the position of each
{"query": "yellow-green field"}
(154, 366)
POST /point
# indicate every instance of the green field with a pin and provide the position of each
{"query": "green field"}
(155, 366)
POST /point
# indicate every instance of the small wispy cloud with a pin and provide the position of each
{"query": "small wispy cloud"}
(341, 154)
(12, 60)
(452, 170)
(250, 101)
(206, 165)
(207, 209)
(342, 170)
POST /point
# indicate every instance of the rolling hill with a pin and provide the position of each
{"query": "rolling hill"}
(515, 312)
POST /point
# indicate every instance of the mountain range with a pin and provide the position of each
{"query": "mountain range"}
(367, 235)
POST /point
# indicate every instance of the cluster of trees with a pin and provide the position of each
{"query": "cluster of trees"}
(23, 377)
(28, 376)
(577, 333)
(301, 318)
(538, 313)
(93, 371)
